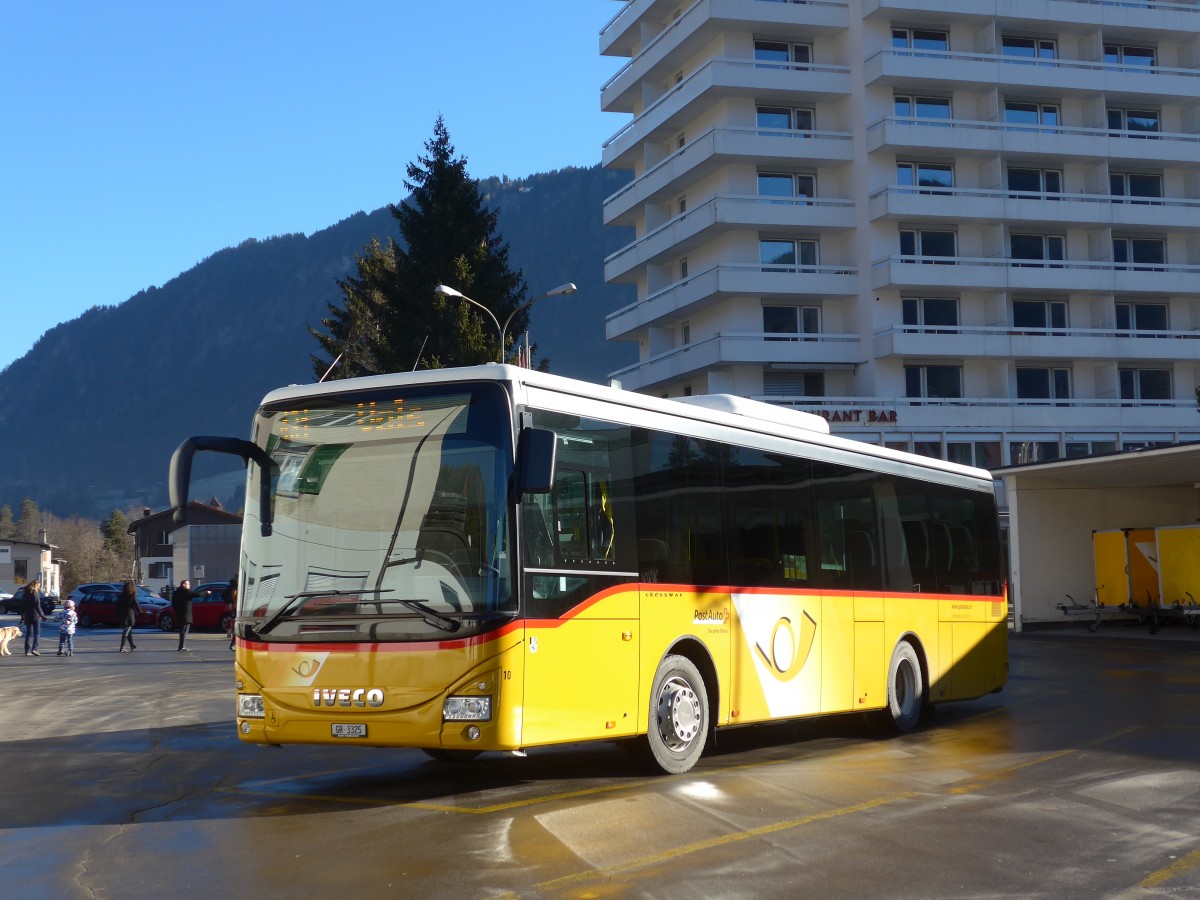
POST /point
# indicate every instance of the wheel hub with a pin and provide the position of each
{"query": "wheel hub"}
(678, 714)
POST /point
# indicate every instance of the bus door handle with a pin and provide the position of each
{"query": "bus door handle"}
(627, 635)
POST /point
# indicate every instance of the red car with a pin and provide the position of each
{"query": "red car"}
(99, 607)
(208, 609)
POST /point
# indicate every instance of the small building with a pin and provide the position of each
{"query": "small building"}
(1055, 507)
(23, 561)
(205, 548)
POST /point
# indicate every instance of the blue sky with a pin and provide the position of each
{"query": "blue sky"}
(141, 136)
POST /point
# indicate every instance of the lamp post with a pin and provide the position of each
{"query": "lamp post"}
(445, 290)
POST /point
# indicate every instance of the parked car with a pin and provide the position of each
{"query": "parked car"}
(208, 608)
(13, 603)
(145, 595)
(99, 607)
(5, 596)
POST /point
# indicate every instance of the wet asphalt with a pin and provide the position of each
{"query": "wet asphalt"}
(121, 777)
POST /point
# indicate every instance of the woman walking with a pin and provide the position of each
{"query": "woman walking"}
(127, 612)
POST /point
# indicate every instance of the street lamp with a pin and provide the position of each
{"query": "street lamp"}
(445, 290)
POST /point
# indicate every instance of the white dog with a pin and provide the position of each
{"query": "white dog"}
(8, 633)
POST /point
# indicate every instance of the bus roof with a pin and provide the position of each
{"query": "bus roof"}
(734, 412)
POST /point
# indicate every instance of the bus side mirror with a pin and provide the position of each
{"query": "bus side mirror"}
(537, 450)
(180, 475)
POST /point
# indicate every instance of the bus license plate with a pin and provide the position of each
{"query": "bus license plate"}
(349, 730)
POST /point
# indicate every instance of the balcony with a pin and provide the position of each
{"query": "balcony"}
(728, 213)
(721, 146)
(706, 20)
(820, 351)
(966, 137)
(1057, 276)
(997, 413)
(721, 282)
(946, 70)
(1008, 342)
(966, 204)
(717, 80)
(707, 17)
(1147, 16)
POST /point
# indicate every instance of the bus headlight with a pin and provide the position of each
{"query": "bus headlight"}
(250, 706)
(467, 709)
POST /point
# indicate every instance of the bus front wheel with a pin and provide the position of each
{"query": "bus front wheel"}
(678, 726)
(905, 689)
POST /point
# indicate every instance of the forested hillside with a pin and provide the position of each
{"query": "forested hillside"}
(94, 409)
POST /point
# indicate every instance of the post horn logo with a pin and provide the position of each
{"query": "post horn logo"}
(789, 647)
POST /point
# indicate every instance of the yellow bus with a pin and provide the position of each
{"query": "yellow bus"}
(494, 559)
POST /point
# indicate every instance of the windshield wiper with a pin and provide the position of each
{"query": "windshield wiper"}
(429, 616)
(294, 600)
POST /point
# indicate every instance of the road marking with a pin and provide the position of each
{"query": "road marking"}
(1165, 874)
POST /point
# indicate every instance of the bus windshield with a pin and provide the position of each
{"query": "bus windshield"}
(390, 516)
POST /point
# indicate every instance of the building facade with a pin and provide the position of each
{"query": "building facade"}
(167, 553)
(24, 561)
(967, 228)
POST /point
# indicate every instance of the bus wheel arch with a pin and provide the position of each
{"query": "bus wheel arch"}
(907, 692)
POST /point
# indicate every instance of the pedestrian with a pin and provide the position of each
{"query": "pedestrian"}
(32, 617)
(66, 628)
(127, 613)
(181, 603)
(231, 607)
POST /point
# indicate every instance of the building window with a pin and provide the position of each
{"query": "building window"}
(938, 247)
(1141, 316)
(1028, 47)
(931, 312)
(919, 39)
(1027, 113)
(933, 382)
(778, 255)
(1119, 56)
(785, 320)
(159, 570)
(1038, 182)
(685, 333)
(1076, 449)
(20, 570)
(1133, 184)
(1133, 122)
(784, 118)
(782, 55)
(912, 106)
(1036, 383)
(1026, 247)
(1021, 452)
(1139, 252)
(1039, 314)
(682, 205)
(984, 454)
(791, 189)
(1145, 384)
(938, 176)
(794, 384)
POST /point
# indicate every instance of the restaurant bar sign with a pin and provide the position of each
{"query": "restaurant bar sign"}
(855, 416)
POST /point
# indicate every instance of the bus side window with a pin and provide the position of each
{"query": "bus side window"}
(571, 509)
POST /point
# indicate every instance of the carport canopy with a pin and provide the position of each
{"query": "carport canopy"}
(1054, 507)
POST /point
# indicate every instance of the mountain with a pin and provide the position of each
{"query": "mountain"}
(94, 410)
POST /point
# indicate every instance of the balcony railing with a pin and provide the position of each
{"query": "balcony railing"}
(627, 8)
(750, 346)
(874, 403)
(1010, 194)
(1024, 62)
(709, 68)
(1028, 331)
(710, 136)
(1021, 128)
(1086, 265)
(718, 208)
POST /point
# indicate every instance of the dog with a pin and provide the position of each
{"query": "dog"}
(8, 633)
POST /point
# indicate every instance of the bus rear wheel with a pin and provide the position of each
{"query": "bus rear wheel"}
(679, 720)
(905, 689)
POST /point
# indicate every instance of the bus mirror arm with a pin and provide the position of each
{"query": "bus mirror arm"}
(537, 450)
(180, 476)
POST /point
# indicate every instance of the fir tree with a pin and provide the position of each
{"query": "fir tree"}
(391, 320)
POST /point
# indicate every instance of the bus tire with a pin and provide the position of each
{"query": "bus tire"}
(905, 689)
(679, 719)
(443, 755)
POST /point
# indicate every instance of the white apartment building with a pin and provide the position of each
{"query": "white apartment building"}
(968, 228)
